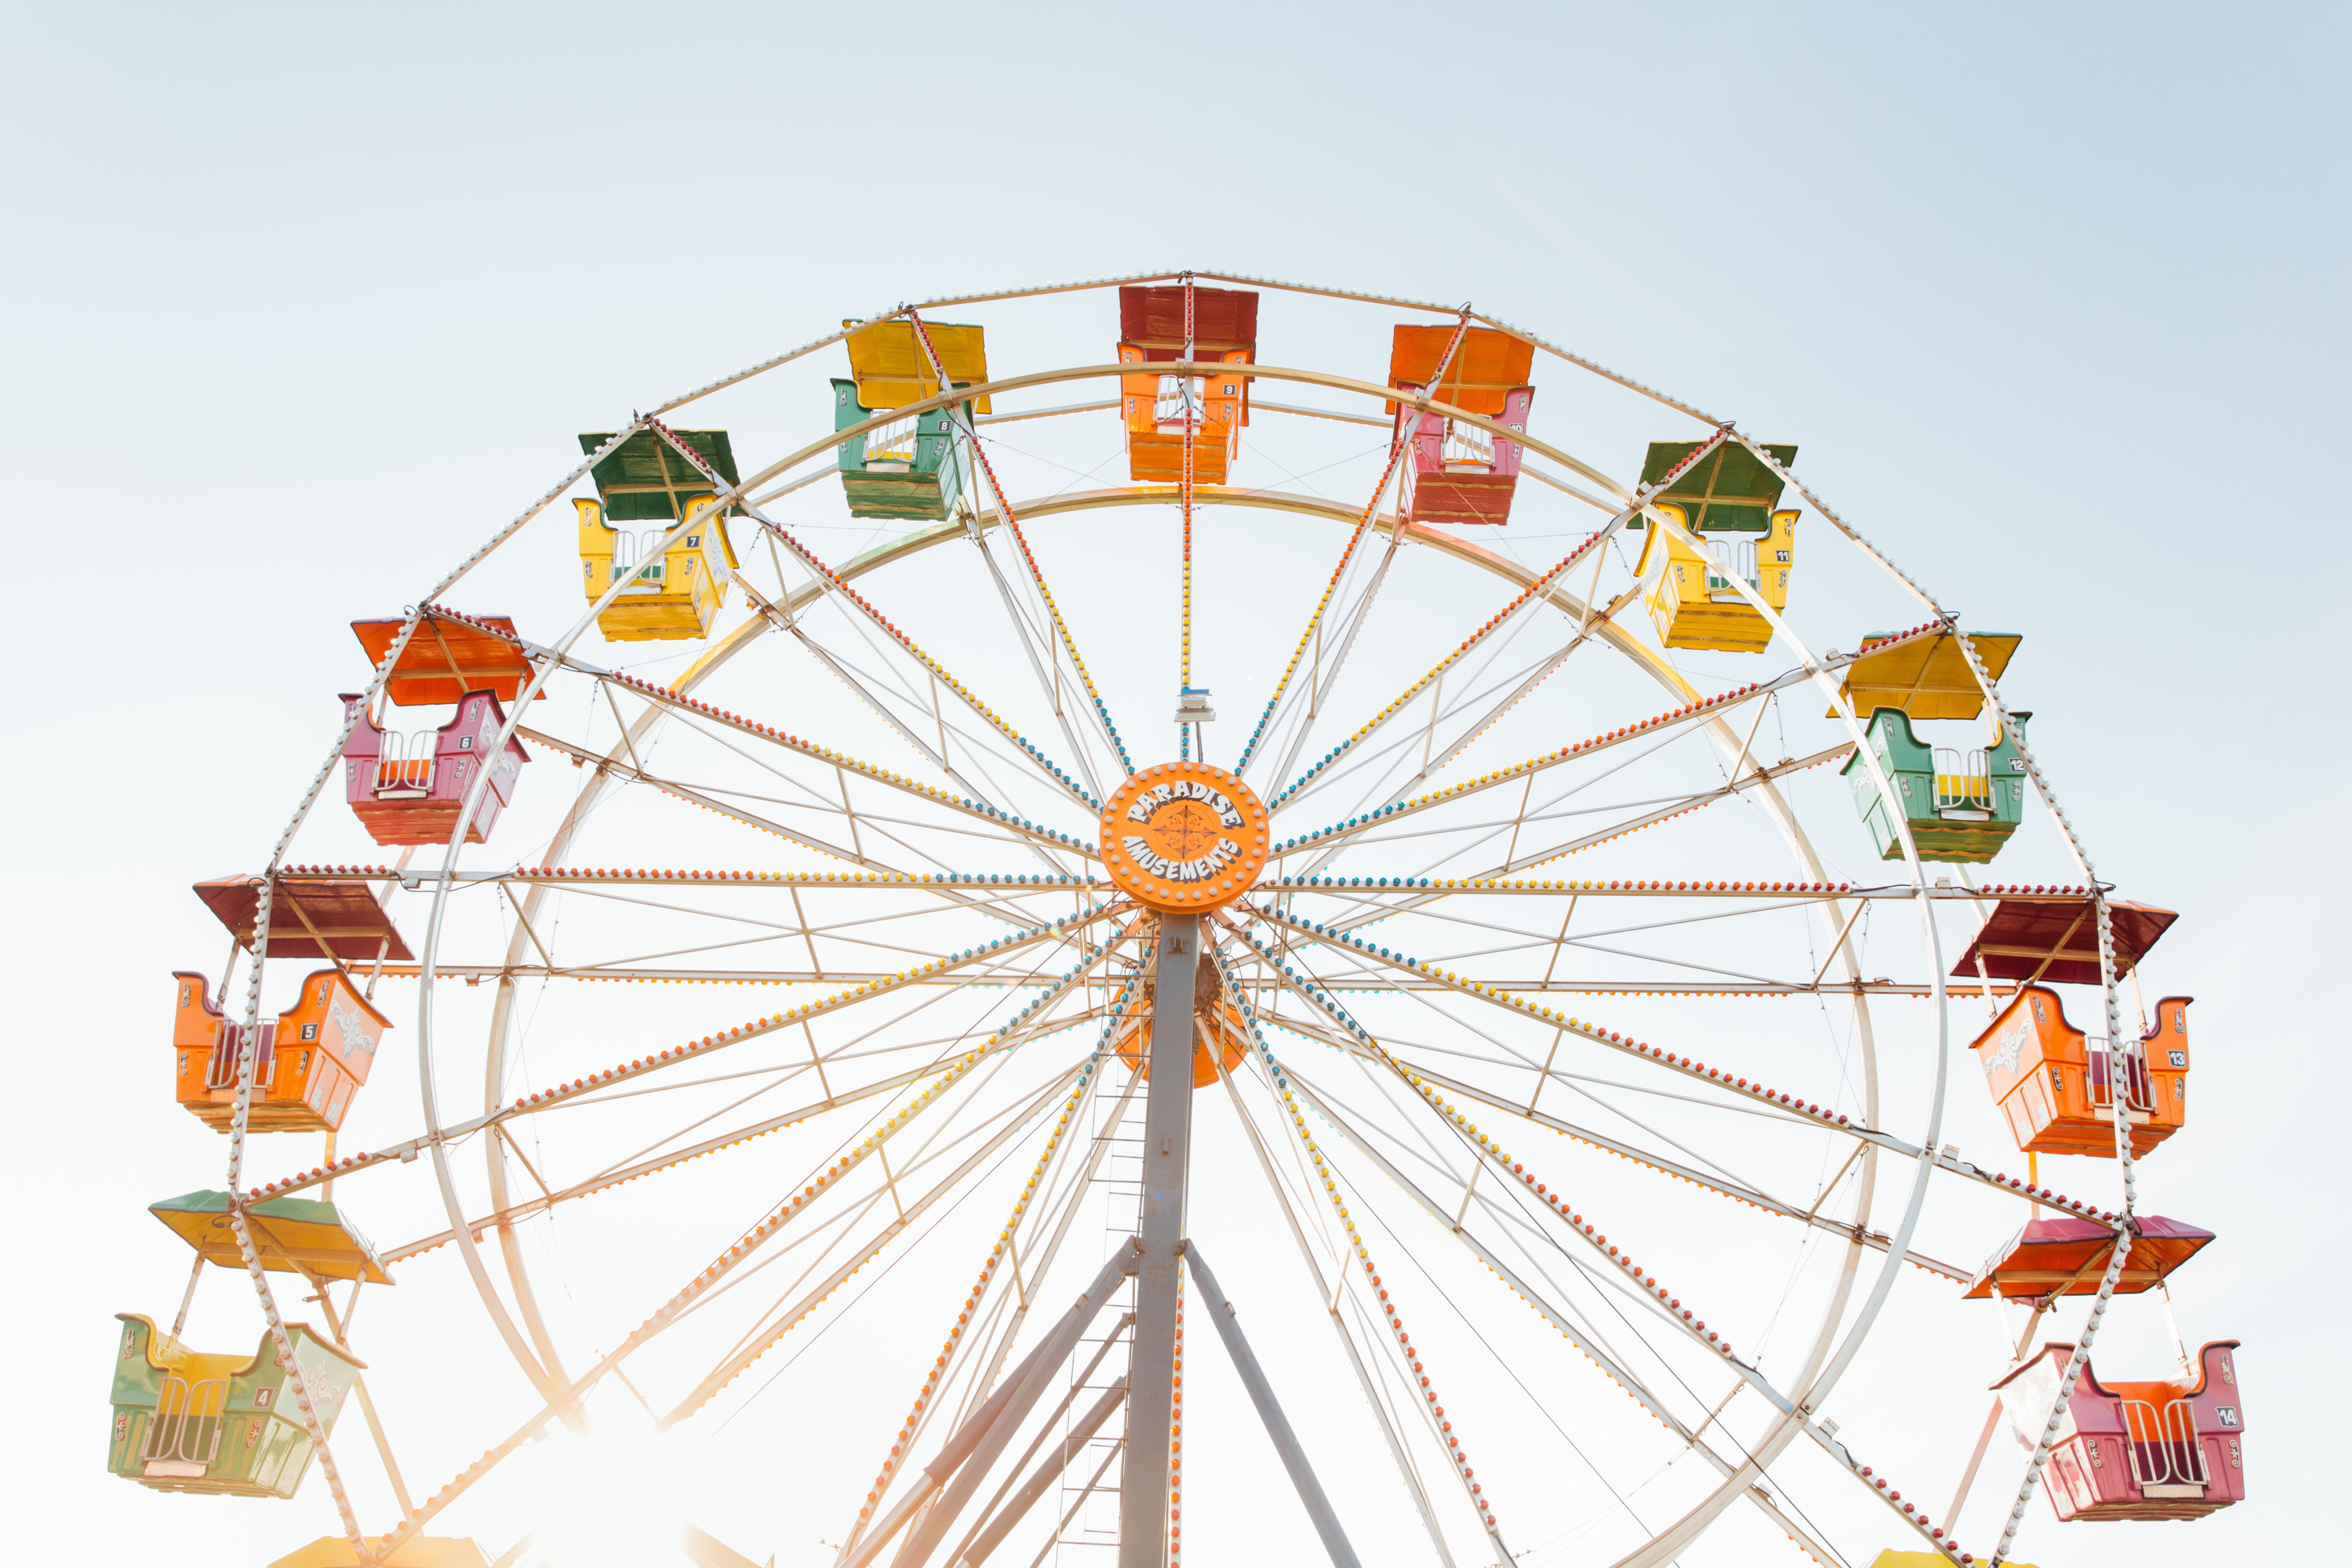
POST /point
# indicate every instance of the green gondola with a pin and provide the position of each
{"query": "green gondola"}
(1962, 806)
(913, 470)
(224, 1425)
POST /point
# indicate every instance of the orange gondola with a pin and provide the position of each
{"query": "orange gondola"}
(2060, 1095)
(308, 1066)
(1214, 1018)
(1153, 407)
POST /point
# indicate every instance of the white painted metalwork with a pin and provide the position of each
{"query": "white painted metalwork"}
(984, 1014)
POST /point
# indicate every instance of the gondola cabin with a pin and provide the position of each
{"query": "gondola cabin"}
(2168, 1449)
(1216, 1018)
(912, 468)
(1153, 406)
(450, 655)
(644, 489)
(1457, 472)
(308, 1066)
(1730, 503)
(1961, 806)
(1132, 1038)
(674, 596)
(2059, 1095)
(412, 788)
(229, 1425)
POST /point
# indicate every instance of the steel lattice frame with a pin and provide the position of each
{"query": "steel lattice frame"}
(1288, 951)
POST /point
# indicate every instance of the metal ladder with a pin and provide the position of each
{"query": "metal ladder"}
(1086, 1498)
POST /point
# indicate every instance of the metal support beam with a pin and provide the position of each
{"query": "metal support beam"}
(1167, 1136)
(1005, 1407)
(991, 1533)
(1045, 1428)
(1286, 1442)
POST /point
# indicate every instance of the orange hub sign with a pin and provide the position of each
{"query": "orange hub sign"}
(1184, 836)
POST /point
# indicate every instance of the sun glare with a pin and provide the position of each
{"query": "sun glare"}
(609, 1498)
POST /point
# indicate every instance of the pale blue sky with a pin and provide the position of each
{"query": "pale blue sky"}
(303, 303)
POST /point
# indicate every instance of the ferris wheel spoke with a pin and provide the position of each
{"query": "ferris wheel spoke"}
(633, 1166)
(784, 1320)
(782, 1213)
(1364, 832)
(1582, 1085)
(1560, 849)
(671, 786)
(546, 1100)
(1410, 753)
(1316, 684)
(1402, 1360)
(709, 721)
(1785, 1108)
(578, 1388)
(1008, 830)
(958, 1344)
(1329, 1287)
(1541, 938)
(1484, 646)
(1036, 759)
(1692, 1438)
(1576, 1334)
(932, 1145)
(1107, 732)
(1651, 729)
(1721, 1184)
(1048, 684)
(1614, 1265)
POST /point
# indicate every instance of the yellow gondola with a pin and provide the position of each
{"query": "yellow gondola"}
(1690, 596)
(647, 480)
(229, 1425)
(1727, 500)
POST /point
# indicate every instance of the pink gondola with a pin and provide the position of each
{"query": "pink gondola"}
(2165, 1449)
(409, 789)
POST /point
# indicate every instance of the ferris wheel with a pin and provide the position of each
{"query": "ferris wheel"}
(1568, 940)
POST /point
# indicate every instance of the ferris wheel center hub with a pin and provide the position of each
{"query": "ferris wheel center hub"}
(1184, 836)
